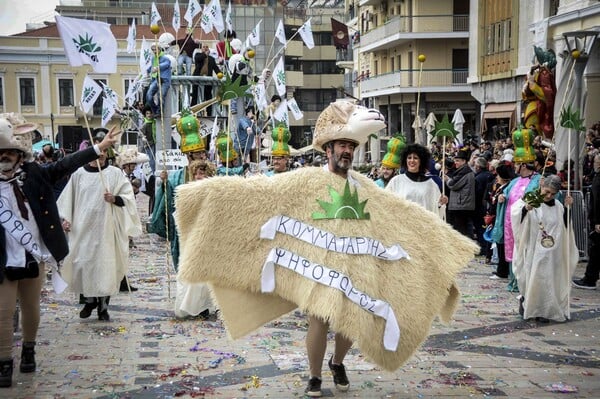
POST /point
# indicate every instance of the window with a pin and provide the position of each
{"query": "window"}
(314, 99)
(97, 109)
(27, 91)
(1, 92)
(111, 20)
(320, 67)
(65, 92)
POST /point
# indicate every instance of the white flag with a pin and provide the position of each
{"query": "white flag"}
(260, 94)
(134, 87)
(89, 94)
(212, 17)
(228, 20)
(110, 95)
(193, 9)
(88, 42)
(279, 76)
(154, 15)
(293, 106)
(176, 22)
(281, 113)
(280, 33)
(254, 36)
(306, 34)
(131, 38)
(145, 56)
(213, 138)
(108, 110)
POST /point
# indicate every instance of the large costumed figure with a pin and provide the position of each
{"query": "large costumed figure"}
(539, 92)
(339, 249)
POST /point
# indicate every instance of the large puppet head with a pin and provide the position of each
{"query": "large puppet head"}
(345, 120)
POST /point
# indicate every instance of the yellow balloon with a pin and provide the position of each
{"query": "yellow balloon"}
(220, 75)
(575, 53)
(251, 53)
(421, 58)
(154, 29)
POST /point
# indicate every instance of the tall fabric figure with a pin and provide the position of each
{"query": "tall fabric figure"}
(99, 221)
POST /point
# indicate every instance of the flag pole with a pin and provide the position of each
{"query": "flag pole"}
(284, 47)
(155, 29)
(87, 125)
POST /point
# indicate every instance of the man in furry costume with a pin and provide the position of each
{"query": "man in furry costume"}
(332, 249)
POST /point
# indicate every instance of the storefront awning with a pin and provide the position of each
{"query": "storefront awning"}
(500, 111)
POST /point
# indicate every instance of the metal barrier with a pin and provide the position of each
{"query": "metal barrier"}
(579, 216)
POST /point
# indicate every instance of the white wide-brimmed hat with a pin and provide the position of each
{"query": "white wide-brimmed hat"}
(131, 155)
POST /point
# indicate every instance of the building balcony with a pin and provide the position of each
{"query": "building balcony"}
(106, 4)
(323, 81)
(294, 78)
(364, 3)
(407, 81)
(402, 29)
(295, 48)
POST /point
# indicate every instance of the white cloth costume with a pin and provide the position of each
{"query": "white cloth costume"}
(192, 299)
(425, 193)
(543, 274)
(100, 231)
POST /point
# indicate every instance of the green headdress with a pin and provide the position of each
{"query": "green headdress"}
(394, 150)
(225, 148)
(280, 135)
(522, 139)
(188, 127)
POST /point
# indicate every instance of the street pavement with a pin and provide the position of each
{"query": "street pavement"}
(145, 352)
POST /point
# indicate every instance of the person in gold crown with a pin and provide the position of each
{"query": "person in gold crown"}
(391, 162)
(280, 150)
(229, 157)
(527, 181)
(192, 145)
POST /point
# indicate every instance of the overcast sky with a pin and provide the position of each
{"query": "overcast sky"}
(14, 14)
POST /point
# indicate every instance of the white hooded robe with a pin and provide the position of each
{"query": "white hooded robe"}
(543, 274)
(99, 237)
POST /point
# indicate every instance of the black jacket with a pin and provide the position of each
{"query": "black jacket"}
(199, 59)
(39, 191)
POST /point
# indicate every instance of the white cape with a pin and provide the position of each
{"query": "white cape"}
(99, 236)
(543, 274)
(425, 193)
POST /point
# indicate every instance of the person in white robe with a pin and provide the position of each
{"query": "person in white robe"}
(414, 184)
(99, 215)
(545, 255)
(193, 299)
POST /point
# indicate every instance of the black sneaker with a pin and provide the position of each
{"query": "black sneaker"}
(584, 284)
(339, 375)
(314, 388)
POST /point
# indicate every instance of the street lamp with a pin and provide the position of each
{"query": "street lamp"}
(579, 45)
(582, 41)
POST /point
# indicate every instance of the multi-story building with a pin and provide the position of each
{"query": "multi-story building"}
(312, 76)
(36, 80)
(389, 36)
(503, 35)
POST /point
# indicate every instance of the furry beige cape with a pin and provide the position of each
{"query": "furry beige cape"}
(219, 222)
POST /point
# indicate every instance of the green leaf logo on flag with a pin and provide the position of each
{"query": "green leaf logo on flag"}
(87, 46)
